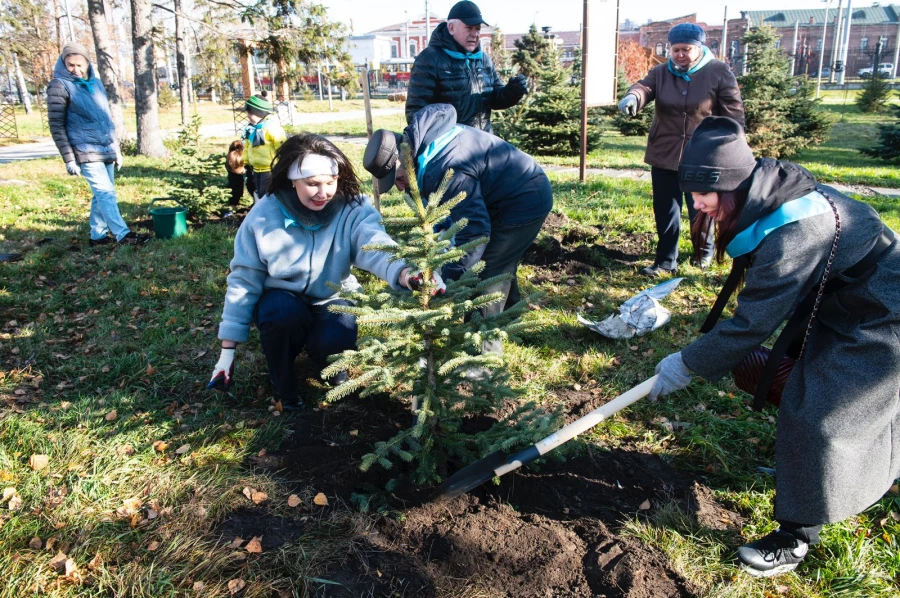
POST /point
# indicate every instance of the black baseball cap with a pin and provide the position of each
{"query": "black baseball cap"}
(381, 157)
(467, 12)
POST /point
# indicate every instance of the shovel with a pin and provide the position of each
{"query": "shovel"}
(499, 463)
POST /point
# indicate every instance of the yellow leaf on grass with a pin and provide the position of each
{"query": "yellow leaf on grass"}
(294, 500)
(278, 407)
(150, 370)
(321, 500)
(160, 446)
(111, 416)
(38, 462)
(236, 585)
(254, 546)
(131, 505)
(894, 489)
(259, 497)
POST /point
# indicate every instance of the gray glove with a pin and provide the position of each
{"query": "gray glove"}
(72, 168)
(629, 105)
(673, 375)
(119, 159)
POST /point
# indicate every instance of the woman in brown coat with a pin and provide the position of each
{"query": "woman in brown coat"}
(687, 88)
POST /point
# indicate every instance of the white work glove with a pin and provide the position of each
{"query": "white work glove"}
(629, 105)
(73, 168)
(223, 371)
(119, 159)
(415, 280)
(673, 375)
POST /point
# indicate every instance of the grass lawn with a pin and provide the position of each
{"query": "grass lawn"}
(104, 355)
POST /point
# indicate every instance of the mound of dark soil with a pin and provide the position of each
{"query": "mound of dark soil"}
(544, 531)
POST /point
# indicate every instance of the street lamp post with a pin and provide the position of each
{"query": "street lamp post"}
(845, 43)
(822, 49)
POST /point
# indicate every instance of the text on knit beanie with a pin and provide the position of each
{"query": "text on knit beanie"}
(717, 157)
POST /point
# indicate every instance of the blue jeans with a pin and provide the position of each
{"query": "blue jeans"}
(105, 216)
(287, 324)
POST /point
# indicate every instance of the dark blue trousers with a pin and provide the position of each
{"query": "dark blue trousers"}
(667, 200)
(288, 324)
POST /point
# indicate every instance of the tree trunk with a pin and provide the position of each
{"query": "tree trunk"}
(58, 20)
(180, 51)
(24, 96)
(149, 136)
(107, 60)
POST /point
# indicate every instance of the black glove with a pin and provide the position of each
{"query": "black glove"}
(518, 85)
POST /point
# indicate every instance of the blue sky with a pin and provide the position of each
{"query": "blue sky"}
(515, 16)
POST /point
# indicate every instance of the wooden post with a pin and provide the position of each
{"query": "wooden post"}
(376, 197)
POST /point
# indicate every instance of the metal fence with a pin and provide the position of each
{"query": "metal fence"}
(859, 64)
(8, 128)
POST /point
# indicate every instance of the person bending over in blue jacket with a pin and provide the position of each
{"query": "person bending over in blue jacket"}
(508, 196)
(307, 232)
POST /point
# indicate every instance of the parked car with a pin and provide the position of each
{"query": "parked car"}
(885, 69)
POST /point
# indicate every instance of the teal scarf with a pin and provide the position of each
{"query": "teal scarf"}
(467, 56)
(433, 149)
(88, 84)
(704, 60)
(296, 214)
(811, 204)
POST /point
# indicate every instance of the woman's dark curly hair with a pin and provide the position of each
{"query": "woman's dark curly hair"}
(297, 148)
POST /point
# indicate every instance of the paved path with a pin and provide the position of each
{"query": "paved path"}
(45, 148)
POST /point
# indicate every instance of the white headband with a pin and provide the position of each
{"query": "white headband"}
(313, 165)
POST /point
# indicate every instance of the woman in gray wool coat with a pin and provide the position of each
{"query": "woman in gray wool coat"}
(838, 437)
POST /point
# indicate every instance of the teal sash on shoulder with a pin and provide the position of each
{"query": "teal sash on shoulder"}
(812, 204)
(706, 59)
(433, 149)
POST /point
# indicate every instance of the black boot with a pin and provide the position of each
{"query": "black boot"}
(779, 552)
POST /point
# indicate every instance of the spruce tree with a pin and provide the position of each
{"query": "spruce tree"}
(194, 177)
(780, 114)
(875, 95)
(533, 55)
(888, 148)
(418, 348)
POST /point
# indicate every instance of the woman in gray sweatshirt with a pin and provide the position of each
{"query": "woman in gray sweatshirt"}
(306, 232)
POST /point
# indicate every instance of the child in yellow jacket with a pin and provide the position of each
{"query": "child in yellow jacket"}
(263, 136)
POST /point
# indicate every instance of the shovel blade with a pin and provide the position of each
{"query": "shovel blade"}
(472, 475)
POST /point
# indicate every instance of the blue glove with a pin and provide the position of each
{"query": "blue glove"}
(673, 375)
(629, 105)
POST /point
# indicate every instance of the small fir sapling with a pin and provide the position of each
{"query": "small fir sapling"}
(419, 348)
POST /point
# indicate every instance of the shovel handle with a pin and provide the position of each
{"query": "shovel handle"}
(578, 426)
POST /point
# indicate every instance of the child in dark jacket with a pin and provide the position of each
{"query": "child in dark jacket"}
(234, 164)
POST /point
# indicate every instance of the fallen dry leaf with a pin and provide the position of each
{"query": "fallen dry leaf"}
(38, 462)
(8, 493)
(35, 543)
(59, 562)
(236, 543)
(236, 585)
(259, 497)
(111, 416)
(160, 446)
(294, 500)
(354, 432)
(645, 505)
(278, 407)
(248, 492)
(65, 405)
(254, 546)
(70, 568)
(15, 503)
(894, 489)
(131, 505)
(321, 500)
(126, 450)
(198, 586)
(150, 370)
(182, 449)
(153, 546)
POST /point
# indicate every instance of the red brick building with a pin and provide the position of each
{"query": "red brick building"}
(410, 37)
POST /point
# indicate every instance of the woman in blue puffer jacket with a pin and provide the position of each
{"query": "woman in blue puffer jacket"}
(85, 135)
